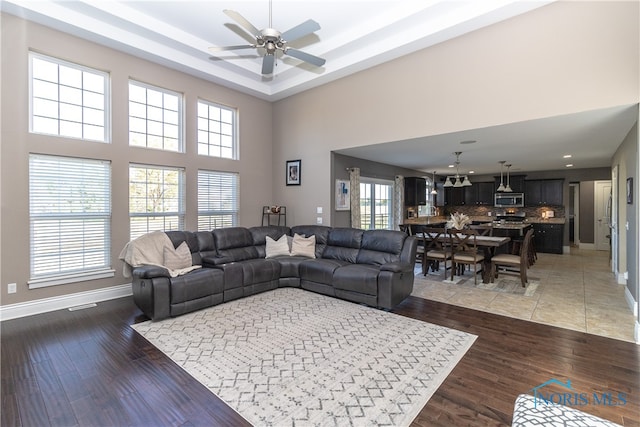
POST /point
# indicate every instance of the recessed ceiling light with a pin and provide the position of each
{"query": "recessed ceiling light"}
(472, 171)
(471, 141)
(570, 165)
(452, 166)
(567, 156)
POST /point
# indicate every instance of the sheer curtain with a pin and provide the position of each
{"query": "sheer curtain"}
(398, 202)
(354, 191)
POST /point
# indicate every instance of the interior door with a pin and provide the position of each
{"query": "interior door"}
(614, 219)
(602, 215)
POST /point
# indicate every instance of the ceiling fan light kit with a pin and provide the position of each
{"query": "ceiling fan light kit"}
(273, 41)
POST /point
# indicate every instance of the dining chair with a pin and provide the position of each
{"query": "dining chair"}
(512, 262)
(437, 249)
(482, 230)
(465, 251)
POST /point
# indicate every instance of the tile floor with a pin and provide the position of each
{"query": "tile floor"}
(576, 291)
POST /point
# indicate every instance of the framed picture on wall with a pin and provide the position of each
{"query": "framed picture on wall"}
(630, 191)
(343, 198)
(293, 172)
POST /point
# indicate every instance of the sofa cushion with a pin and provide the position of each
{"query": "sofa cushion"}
(360, 278)
(276, 248)
(290, 266)
(320, 270)
(343, 244)
(178, 258)
(303, 246)
(234, 244)
(207, 246)
(260, 233)
(178, 236)
(196, 284)
(320, 231)
(381, 247)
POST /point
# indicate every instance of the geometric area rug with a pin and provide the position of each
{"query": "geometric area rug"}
(292, 357)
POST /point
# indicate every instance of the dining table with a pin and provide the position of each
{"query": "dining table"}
(489, 244)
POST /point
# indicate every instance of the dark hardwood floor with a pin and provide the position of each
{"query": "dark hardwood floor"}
(88, 367)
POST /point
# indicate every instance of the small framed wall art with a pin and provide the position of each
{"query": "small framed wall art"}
(343, 198)
(293, 172)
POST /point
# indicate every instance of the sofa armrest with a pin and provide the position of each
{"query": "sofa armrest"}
(150, 271)
(396, 267)
(215, 261)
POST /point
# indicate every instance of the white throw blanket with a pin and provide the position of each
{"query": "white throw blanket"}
(149, 250)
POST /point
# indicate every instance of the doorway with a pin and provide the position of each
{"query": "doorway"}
(574, 214)
(602, 210)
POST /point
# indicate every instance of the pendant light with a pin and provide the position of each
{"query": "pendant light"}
(458, 181)
(508, 189)
(501, 186)
(433, 182)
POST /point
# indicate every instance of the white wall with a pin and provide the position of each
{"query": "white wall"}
(254, 166)
(563, 58)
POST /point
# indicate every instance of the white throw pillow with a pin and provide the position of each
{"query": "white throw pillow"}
(303, 246)
(276, 248)
(178, 258)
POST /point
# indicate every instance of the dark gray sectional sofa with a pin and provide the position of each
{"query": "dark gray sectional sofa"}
(374, 267)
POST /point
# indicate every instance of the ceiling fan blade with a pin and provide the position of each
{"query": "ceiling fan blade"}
(301, 30)
(248, 26)
(267, 63)
(307, 57)
(222, 48)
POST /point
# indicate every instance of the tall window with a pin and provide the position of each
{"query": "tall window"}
(156, 199)
(216, 131)
(376, 199)
(70, 219)
(217, 200)
(155, 118)
(67, 99)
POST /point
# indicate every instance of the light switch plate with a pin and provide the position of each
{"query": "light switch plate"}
(319, 220)
(11, 288)
(319, 209)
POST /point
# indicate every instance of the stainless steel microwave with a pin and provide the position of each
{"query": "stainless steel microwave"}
(509, 200)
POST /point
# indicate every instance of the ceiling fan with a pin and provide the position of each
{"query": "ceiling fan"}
(273, 40)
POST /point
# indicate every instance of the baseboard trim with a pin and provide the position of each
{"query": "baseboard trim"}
(15, 311)
(637, 333)
(632, 303)
(622, 278)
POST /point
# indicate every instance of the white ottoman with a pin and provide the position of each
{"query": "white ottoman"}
(526, 414)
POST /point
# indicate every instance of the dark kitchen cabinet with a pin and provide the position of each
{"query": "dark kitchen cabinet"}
(415, 191)
(479, 194)
(516, 182)
(454, 196)
(548, 238)
(544, 192)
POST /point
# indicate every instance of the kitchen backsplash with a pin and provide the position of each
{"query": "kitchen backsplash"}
(531, 212)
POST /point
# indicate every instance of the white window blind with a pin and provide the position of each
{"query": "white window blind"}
(217, 200)
(70, 219)
(216, 130)
(155, 118)
(68, 99)
(156, 199)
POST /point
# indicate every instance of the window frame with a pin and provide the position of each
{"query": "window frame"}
(163, 124)
(234, 129)
(106, 111)
(44, 201)
(209, 213)
(180, 199)
(373, 182)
